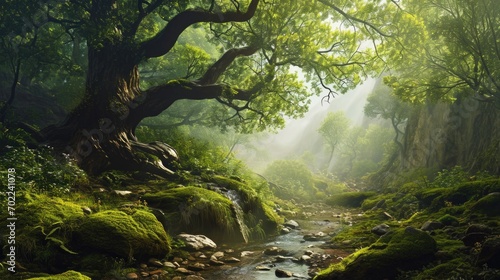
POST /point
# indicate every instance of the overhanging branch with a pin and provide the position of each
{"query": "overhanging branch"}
(163, 42)
(218, 68)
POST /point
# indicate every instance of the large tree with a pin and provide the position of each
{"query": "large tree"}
(256, 77)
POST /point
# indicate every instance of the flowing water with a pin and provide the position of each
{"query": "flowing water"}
(292, 242)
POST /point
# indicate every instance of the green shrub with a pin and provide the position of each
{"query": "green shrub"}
(292, 179)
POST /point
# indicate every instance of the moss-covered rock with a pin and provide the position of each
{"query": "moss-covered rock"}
(68, 275)
(349, 199)
(488, 205)
(42, 231)
(198, 210)
(400, 249)
(117, 233)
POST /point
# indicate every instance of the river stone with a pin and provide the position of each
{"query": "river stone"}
(197, 242)
(155, 262)
(407, 248)
(196, 266)
(263, 268)
(132, 275)
(185, 271)
(432, 225)
(232, 260)
(291, 224)
(280, 273)
(169, 264)
(380, 229)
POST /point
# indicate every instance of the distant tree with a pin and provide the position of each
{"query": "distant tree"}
(381, 103)
(334, 129)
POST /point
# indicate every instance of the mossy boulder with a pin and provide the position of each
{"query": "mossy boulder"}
(112, 232)
(68, 275)
(488, 205)
(349, 199)
(198, 210)
(42, 230)
(407, 248)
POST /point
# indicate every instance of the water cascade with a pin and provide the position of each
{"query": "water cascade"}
(238, 211)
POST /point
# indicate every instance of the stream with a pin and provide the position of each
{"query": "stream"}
(292, 247)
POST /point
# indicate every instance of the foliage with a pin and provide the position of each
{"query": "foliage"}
(68, 275)
(450, 177)
(38, 170)
(292, 178)
(456, 52)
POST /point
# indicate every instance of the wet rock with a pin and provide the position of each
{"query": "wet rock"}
(246, 253)
(490, 253)
(197, 242)
(185, 271)
(291, 224)
(196, 266)
(308, 252)
(432, 225)
(274, 251)
(144, 274)
(231, 260)
(216, 262)
(169, 264)
(380, 229)
(285, 230)
(177, 278)
(263, 268)
(305, 258)
(282, 258)
(280, 273)
(310, 237)
(132, 275)
(217, 255)
(155, 262)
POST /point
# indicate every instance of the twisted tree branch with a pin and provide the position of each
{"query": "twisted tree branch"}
(163, 42)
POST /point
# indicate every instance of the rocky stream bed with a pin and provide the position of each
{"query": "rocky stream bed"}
(298, 253)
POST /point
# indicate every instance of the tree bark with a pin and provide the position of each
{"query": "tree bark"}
(100, 132)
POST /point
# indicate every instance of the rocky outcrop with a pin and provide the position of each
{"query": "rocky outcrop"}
(465, 133)
(407, 248)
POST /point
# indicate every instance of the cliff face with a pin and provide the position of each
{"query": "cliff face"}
(465, 133)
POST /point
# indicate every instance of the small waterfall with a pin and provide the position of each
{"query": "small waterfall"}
(238, 211)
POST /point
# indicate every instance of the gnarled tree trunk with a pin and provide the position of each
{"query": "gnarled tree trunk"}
(100, 132)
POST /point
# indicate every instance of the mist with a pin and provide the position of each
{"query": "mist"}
(300, 137)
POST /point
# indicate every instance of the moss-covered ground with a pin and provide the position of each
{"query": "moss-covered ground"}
(455, 207)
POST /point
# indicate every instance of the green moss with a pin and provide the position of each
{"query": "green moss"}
(68, 275)
(118, 233)
(196, 210)
(488, 205)
(42, 228)
(397, 249)
(453, 269)
(449, 220)
(349, 199)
